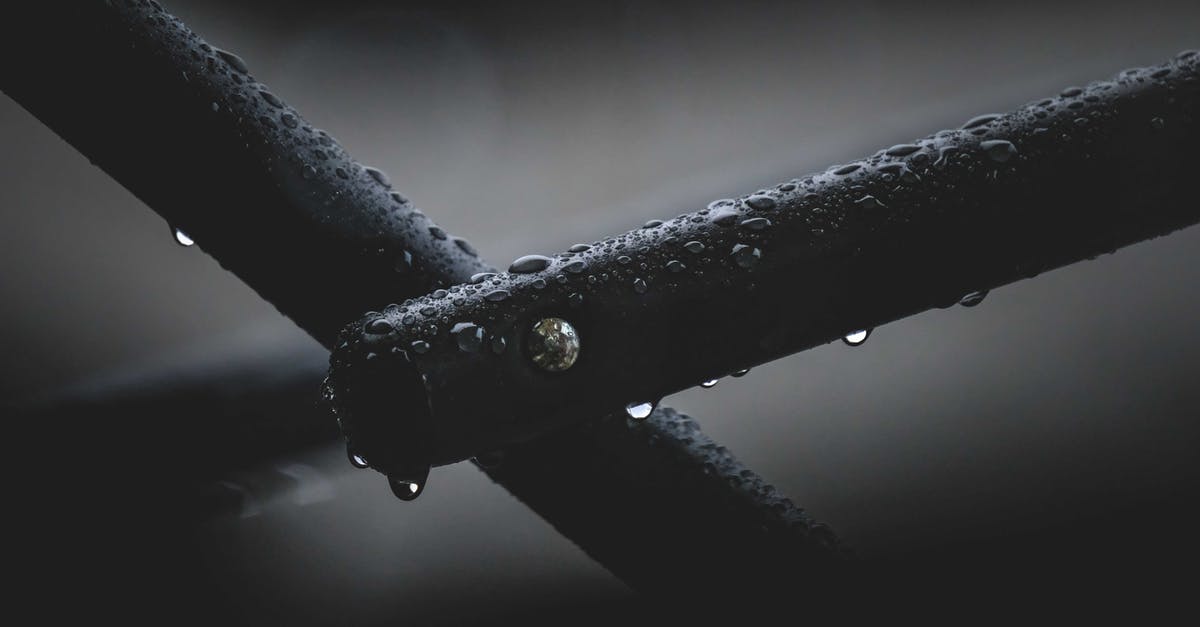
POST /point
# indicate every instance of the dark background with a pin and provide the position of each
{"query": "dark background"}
(1060, 411)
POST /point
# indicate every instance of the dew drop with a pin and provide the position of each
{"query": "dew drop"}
(723, 216)
(740, 373)
(496, 296)
(379, 326)
(710, 383)
(379, 176)
(182, 238)
(579, 248)
(553, 344)
(271, 99)
(972, 299)
(420, 347)
(499, 344)
(902, 150)
(233, 60)
(409, 486)
(761, 202)
(480, 277)
(530, 264)
(998, 150)
(981, 120)
(745, 256)
(755, 224)
(639, 411)
(639, 286)
(847, 169)
(437, 232)
(675, 266)
(356, 460)
(575, 267)
(857, 337)
(469, 336)
(466, 246)
(694, 247)
(652, 223)
(289, 120)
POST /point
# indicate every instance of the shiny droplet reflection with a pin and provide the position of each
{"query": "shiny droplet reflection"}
(857, 337)
(182, 238)
(710, 383)
(639, 411)
(553, 344)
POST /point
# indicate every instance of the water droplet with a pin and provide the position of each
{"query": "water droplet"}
(469, 336)
(575, 300)
(847, 169)
(409, 486)
(639, 411)
(499, 344)
(652, 223)
(271, 99)
(496, 296)
(182, 238)
(379, 326)
(233, 60)
(420, 347)
(675, 266)
(998, 150)
(857, 337)
(437, 232)
(341, 173)
(639, 286)
(379, 176)
(710, 383)
(740, 373)
(694, 247)
(480, 277)
(755, 224)
(579, 248)
(356, 460)
(761, 202)
(553, 344)
(974, 298)
(529, 264)
(723, 216)
(1157, 122)
(745, 256)
(902, 150)
(869, 202)
(308, 172)
(289, 120)
(466, 246)
(981, 120)
(575, 267)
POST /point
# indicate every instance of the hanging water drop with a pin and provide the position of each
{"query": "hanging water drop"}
(182, 238)
(409, 485)
(639, 411)
(740, 373)
(710, 383)
(856, 338)
(356, 460)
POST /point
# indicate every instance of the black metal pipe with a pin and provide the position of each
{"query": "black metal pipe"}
(188, 130)
(748, 280)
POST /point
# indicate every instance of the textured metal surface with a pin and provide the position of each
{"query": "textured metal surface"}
(187, 129)
(748, 280)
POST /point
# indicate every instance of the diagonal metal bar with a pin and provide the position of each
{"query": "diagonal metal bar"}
(189, 131)
(748, 280)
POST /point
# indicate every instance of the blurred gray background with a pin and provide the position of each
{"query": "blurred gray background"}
(529, 127)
